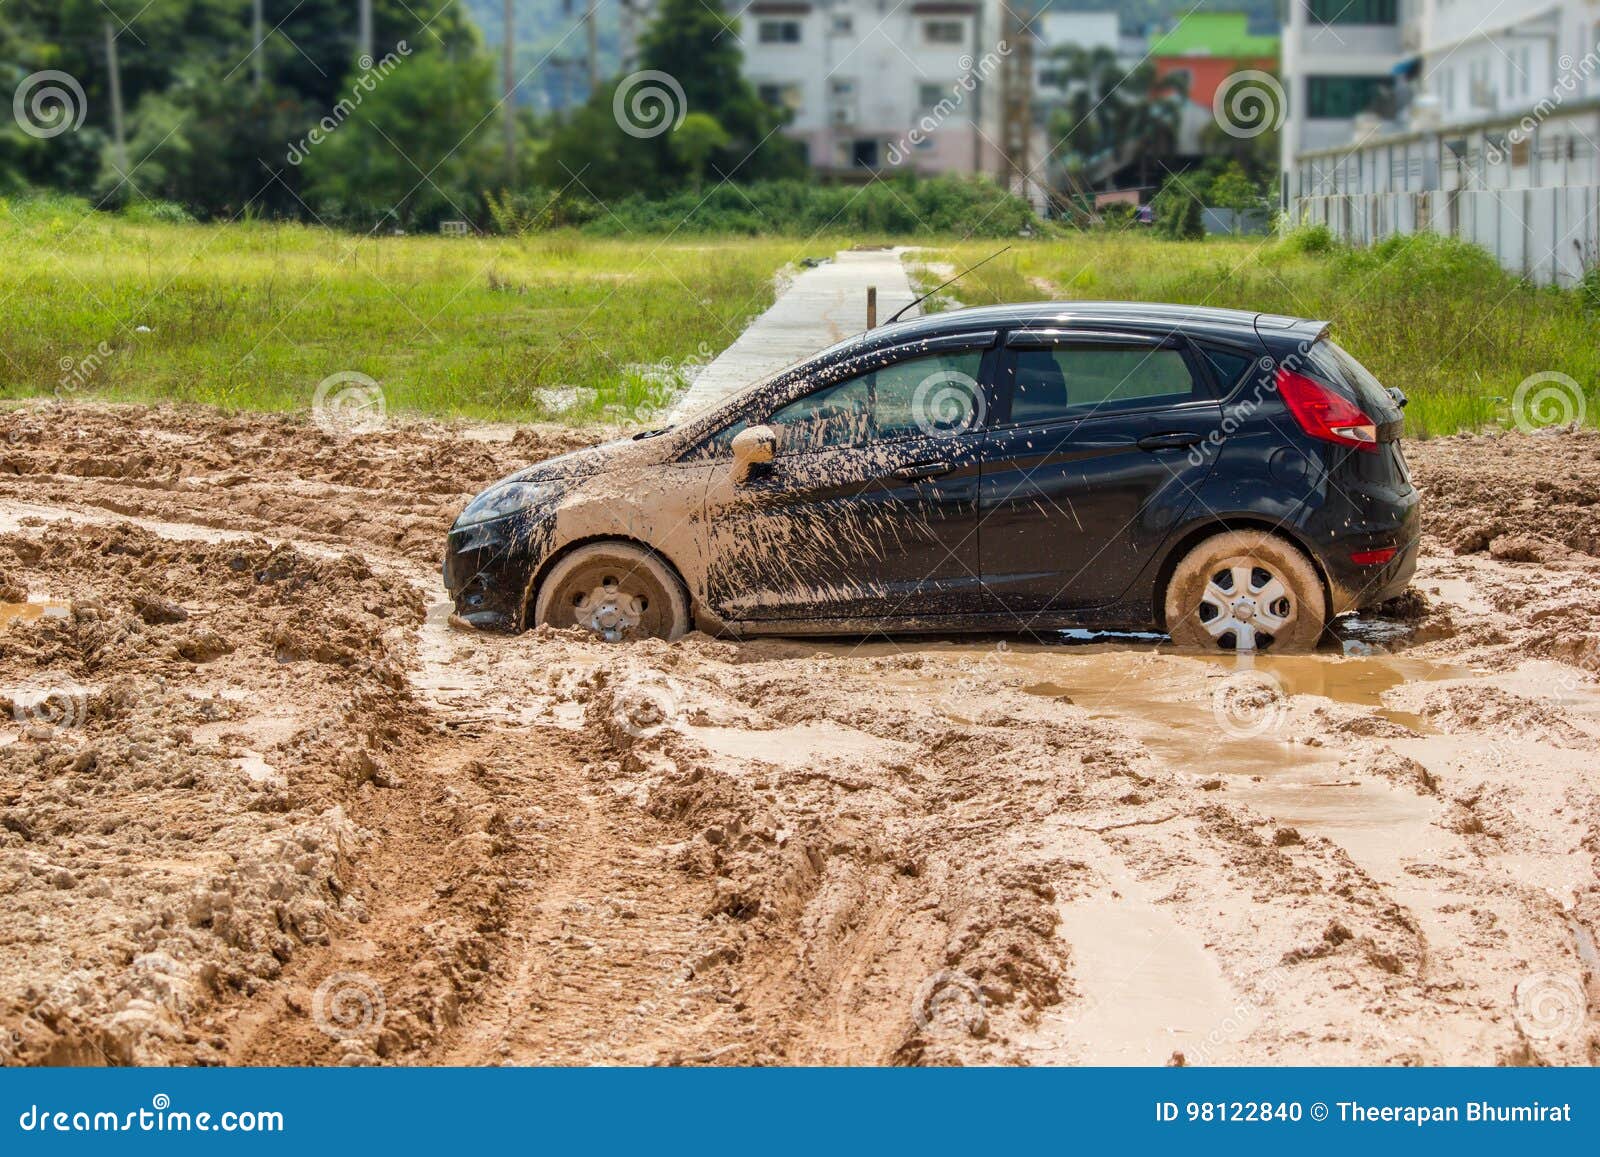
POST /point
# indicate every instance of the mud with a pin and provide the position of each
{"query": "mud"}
(260, 802)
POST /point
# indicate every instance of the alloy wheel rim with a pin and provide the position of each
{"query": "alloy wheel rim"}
(610, 609)
(1245, 606)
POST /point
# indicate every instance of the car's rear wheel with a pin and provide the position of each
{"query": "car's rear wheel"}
(1245, 590)
(616, 590)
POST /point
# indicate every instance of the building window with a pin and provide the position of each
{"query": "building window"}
(1354, 11)
(944, 32)
(1343, 97)
(864, 154)
(780, 96)
(843, 24)
(929, 95)
(779, 32)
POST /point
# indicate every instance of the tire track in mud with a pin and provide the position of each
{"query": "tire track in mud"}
(923, 854)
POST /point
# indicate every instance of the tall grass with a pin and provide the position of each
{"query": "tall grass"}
(254, 315)
(573, 327)
(1431, 315)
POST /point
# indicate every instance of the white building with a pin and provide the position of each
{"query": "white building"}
(875, 86)
(1487, 128)
(1485, 57)
(1338, 61)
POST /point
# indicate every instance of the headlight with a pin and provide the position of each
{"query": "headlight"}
(499, 501)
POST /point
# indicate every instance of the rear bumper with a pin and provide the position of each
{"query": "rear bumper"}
(1353, 586)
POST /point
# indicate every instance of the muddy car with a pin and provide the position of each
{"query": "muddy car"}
(1232, 479)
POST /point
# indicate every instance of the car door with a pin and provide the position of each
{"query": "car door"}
(869, 508)
(1093, 458)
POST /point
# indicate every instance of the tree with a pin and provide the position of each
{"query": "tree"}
(419, 148)
(199, 130)
(690, 63)
(1176, 211)
(1233, 189)
(694, 142)
(1111, 116)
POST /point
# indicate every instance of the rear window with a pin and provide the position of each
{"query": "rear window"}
(1336, 365)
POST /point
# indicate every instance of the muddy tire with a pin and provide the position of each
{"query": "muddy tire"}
(1245, 590)
(616, 590)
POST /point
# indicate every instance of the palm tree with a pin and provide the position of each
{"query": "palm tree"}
(1109, 115)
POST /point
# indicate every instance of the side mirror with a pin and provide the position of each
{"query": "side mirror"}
(753, 446)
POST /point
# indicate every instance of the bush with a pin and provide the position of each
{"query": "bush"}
(1308, 239)
(1589, 288)
(157, 212)
(967, 206)
(1118, 215)
(1176, 212)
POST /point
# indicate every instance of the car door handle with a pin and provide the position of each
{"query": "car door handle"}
(1177, 440)
(917, 471)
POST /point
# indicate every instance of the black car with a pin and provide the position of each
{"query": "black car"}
(1233, 479)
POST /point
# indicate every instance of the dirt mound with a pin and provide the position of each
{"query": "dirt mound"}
(397, 489)
(191, 835)
(1520, 497)
(259, 803)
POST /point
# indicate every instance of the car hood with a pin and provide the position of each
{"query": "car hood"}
(619, 454)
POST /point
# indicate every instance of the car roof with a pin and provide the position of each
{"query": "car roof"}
(1197, 320)
(1193, 320)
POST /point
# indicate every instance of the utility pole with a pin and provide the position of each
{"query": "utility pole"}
(364, 33)
(120, 141)
(594, 44)
(510, 94)
(1016, 100)
(258, 51)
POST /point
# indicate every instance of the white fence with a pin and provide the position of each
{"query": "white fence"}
(1527, 190)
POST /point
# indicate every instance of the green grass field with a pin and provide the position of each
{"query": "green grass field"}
(1436, 318)
(254, 316)
(559, 326)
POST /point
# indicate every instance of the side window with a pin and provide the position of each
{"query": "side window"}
(1074, 381)
(828, 418)
(938, 394)
(1227, 366)
(720, 444)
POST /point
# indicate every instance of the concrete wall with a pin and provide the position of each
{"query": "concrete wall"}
(1527, 190)
(1549, 235)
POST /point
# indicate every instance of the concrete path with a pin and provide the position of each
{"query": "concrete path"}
(821, 306)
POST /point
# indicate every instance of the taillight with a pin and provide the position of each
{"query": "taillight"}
(1325, 413)
(1374, 557)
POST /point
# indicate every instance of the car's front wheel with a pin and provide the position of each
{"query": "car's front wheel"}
(616, 590)
(1245, 590)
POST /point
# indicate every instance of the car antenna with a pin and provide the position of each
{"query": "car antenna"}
(952, 281)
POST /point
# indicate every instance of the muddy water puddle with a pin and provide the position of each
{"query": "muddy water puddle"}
(32, 611)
